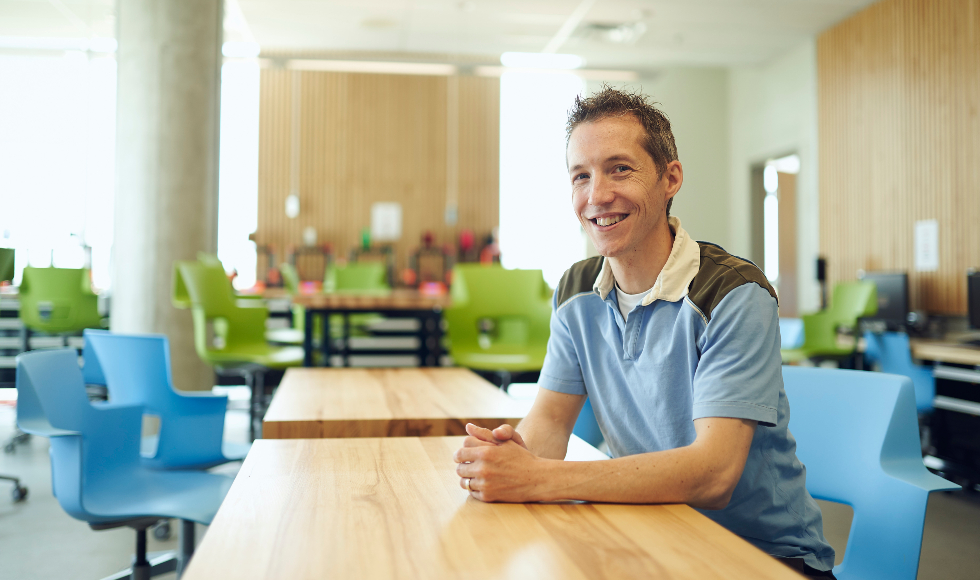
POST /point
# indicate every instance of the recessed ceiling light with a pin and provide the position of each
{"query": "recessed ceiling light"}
(543, 60)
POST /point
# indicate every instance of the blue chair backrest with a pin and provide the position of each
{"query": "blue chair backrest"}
(891, 351)
(790, 332)
(858, 436)
(91, 369)
(89, 445)
(586, 426)
(136, 368)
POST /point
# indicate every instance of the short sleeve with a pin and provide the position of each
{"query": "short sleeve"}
(561, 371)
(739, 374)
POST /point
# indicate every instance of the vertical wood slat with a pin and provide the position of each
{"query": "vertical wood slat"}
(898, 99)
(367, 138)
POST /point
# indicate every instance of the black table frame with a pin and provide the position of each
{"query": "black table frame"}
(429, 334)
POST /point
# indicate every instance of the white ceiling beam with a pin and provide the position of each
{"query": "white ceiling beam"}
(566, 30)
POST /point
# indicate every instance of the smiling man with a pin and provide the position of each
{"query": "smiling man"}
(675, 341)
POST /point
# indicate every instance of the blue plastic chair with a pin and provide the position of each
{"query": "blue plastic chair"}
(857, 434)
(136, 370)
(891, 352)
(587, 427)
(790, 333)
(95, 459)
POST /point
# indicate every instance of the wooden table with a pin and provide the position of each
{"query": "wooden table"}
(945, 351)
(401, 303)
(322, 403)
(393, 508)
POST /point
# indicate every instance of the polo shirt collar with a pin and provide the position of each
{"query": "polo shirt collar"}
(675, 277)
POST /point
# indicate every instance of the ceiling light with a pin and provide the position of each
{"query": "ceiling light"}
(233, 49)
(541, 60)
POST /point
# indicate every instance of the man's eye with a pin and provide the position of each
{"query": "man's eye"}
(622, 168)
(580, 177)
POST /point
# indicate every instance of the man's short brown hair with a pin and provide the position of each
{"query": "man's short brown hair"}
(610, 102)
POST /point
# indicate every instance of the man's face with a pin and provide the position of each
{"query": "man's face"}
(616, 193)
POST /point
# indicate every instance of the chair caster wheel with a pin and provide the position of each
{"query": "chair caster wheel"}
(19, 493)
(162, 531)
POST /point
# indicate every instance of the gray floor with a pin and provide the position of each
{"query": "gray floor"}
(39, 541)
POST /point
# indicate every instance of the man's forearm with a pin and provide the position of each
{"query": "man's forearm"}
(542, 439)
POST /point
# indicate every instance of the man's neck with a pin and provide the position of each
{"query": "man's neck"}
(637, 270)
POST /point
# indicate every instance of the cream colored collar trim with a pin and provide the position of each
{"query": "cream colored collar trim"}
(675, 278)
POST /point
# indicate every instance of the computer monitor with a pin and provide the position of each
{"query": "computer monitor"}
(973, 299)
(893, 297)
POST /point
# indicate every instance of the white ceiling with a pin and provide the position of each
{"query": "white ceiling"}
(701, 32)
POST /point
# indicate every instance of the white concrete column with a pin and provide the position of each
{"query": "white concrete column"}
(166, 208)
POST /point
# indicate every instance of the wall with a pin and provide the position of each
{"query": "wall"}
(773, 112)
(368, 138)
(900, 142)
(695, 100)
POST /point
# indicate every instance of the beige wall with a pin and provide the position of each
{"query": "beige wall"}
(368, 138)
(900, 142)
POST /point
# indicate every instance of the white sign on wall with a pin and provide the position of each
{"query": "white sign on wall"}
(926, 246)
(386, 221)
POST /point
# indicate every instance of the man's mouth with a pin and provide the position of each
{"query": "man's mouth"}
(609, 220)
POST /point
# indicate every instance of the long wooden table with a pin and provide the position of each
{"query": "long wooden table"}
(392, 508)
(399, 303)
(321, 403)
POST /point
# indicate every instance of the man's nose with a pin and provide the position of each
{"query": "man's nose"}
(602, 192)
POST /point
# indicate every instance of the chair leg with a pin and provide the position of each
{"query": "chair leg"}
(186, 546)
(141, 567)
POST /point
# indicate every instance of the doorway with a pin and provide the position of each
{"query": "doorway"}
(774, 237)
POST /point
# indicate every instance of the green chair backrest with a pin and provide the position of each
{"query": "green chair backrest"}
(851, 300)
(235, 328)
(514, 305)
(365, 276)
(6, 264)
(209, 260)
(290, 277)
(58, 300)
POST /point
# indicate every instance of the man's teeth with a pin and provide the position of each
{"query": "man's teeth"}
(608, 221)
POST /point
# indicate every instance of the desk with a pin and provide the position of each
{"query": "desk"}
(326, 403)
(392, 508)
(954, 446)
(400, 303)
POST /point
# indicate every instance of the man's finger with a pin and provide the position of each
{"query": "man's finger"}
(481, 433)
(474, 442)
(466, 470)
(467, 454)
(503, 433)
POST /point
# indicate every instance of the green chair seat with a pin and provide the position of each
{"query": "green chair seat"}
(851, 300)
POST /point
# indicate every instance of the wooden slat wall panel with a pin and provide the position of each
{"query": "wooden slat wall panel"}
(367, 138)
(899, 93)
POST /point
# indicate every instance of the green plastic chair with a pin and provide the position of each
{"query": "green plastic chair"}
(58, 300)
(355, 278)
(238, 344)
(499, 319)
(851, 300)
(6, 264)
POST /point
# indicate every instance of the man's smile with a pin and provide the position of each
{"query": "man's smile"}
(609, 220)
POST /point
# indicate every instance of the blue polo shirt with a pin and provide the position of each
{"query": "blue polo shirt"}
(703, 342)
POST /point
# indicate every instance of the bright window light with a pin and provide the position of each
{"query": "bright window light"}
(542, 60)
(235, 49)
(770, 179)
(57, 157)
(771, 232)
(538, 229)
(238, 169)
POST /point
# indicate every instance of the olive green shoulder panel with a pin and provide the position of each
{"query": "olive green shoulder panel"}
(719, 274)
(579, 278)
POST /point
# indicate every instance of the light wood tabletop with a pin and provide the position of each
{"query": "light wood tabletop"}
(945, 351)
(314, 403)
(392, 508)
(398, 299)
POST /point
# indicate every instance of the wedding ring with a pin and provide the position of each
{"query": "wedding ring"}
(467, 479)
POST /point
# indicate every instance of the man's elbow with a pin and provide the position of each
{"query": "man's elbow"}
(716, 493)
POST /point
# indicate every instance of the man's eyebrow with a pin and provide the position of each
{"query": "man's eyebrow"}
(619, 157)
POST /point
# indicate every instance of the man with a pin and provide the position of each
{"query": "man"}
(676, 342)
